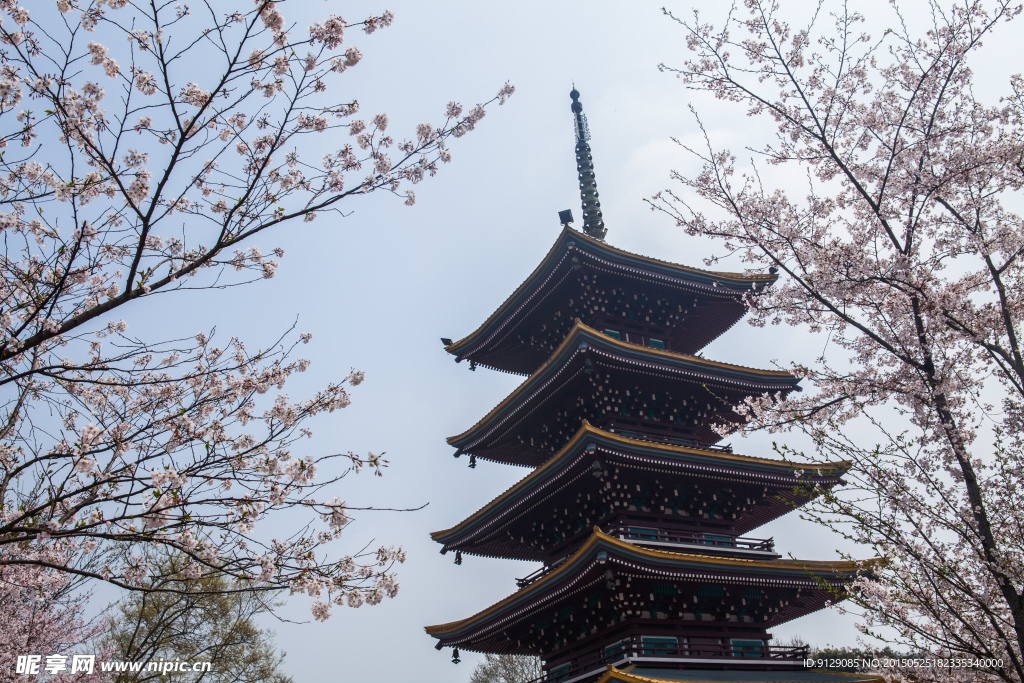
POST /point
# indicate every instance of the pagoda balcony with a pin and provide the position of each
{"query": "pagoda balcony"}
(595, 378)
(542, 572)
(581, 277)
(676, 653)
(610, 589)
(694, 490)
(686, 541)
(690, 541)
(654, 432)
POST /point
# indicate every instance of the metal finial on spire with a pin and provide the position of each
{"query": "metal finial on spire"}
(593, 221)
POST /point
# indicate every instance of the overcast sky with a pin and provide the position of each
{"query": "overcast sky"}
(380, 287)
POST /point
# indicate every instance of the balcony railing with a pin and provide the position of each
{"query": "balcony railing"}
(650, 535)
(641, 535)
(527, 580)
(664, 652)
(658, 432)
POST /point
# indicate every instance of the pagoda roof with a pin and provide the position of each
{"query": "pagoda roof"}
(646, 675)
(496, 342)
(585, 569)
(485, 531)
(568, 362)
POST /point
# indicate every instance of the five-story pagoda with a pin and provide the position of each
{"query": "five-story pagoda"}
(638, 517)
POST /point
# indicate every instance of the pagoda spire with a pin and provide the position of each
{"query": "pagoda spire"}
(593, 222)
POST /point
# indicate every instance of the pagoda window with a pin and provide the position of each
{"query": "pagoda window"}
(615, 651)
(713, 539)
(560, 673)
(657, 344)
(747, 648)
(613, 334)
(642, 533)
(660, 645)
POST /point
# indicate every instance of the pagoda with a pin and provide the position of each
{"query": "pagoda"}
(636, 513)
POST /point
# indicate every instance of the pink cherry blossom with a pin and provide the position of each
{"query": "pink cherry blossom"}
(40, 614)
(905, 252)
(120, 447)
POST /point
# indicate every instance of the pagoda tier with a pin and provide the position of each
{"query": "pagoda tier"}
(647, 493)
(618, 386)
(700, 609)
(641, 674)
(643, 300)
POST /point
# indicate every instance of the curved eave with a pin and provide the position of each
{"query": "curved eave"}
(614, 675)
(769, 380)
(792, 569)
(735, 283)
(557, 465)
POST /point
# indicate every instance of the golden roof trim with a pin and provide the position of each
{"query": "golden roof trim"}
(587, 428)
(734, 277)
(580, 327)
(843, 565)
(599, 535)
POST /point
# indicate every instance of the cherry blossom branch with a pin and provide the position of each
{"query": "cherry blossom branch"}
(127, 450)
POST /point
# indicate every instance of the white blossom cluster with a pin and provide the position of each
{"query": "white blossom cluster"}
(183, 445)
(906, 252)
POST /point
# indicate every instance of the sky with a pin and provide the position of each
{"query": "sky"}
(379, 287)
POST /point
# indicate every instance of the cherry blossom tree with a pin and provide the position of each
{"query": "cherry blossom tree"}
(144, 146)
(41, 616)
(905, 250)
(507, 669)
(207, 623)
